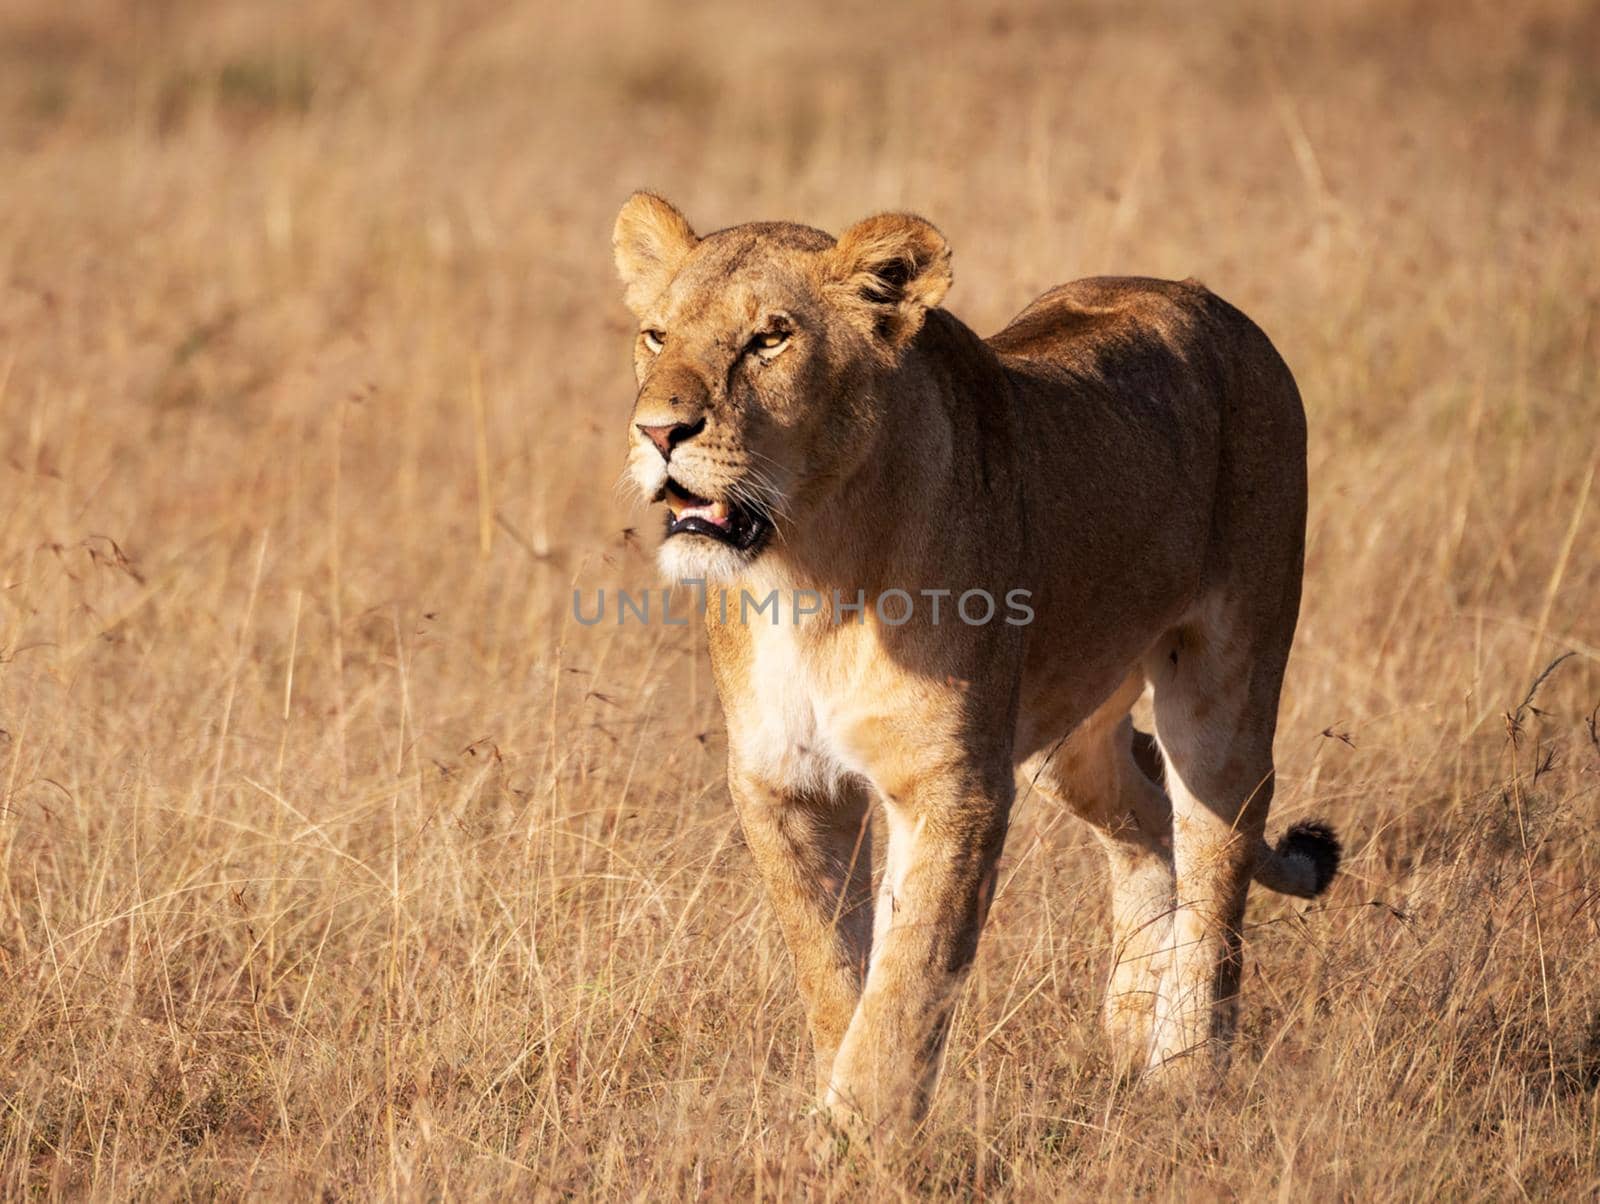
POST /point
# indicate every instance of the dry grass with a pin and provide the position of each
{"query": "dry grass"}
(338, 861)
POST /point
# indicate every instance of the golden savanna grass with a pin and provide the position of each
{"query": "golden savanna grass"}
(339, 861)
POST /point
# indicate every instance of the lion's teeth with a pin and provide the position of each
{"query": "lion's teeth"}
(715, 512)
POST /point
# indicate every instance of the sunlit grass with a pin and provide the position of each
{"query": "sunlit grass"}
(337, 860)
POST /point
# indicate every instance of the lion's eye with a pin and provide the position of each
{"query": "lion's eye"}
(769, 343)
(653, 339)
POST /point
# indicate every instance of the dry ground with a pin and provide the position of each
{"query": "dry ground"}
(337, 861)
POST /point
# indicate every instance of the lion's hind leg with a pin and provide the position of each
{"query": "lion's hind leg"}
(1097, 774)
(1216, 684)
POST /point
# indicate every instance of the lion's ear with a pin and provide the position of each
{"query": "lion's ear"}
(891, 270)
(650, 241)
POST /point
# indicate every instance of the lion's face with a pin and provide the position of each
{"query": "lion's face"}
(762, 355)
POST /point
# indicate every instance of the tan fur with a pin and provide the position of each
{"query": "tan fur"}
(1132, 452)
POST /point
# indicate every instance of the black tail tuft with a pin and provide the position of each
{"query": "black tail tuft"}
(1316, 842)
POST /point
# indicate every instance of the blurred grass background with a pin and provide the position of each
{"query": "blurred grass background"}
(337, 861)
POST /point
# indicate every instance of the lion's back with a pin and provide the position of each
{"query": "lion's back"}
(1176, 390)
(1111, 326)
(1171, 344)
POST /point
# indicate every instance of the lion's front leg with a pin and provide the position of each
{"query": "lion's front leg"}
(814, 853)
(944, 846)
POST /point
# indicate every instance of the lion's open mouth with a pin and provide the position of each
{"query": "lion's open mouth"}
(736, 524)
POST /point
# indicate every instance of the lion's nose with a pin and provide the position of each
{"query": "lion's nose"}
(669, 436)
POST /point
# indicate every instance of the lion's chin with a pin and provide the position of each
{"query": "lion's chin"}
(701, 558)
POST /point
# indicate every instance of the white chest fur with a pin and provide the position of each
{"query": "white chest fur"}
(797, 733)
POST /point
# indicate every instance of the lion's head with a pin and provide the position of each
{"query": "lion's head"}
(762, 356)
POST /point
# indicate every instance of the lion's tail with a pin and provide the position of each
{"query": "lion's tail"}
(1305, 861)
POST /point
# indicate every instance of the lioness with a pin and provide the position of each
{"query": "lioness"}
(1130, 454)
